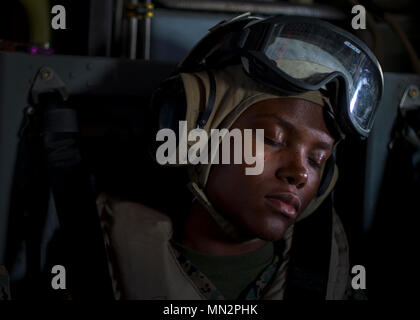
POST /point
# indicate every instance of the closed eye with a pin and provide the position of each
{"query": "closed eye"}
(315, 163)
(272, 142)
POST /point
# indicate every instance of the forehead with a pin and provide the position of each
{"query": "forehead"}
(301, 114)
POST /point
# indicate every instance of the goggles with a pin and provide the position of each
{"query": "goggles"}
(298, 54)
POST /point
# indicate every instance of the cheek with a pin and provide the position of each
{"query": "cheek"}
(233, 192)
(244, 175)
(272, 161)
(230, 181)
(310, 190)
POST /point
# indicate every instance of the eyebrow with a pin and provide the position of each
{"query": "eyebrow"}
(289, 126)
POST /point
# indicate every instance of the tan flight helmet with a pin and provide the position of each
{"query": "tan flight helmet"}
(230, 91)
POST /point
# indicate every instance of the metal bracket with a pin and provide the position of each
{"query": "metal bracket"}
(410, 99)
(47, 80)
(140, 10)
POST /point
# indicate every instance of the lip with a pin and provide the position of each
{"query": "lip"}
(286, 203)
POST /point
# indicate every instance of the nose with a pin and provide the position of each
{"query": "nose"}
(293, 170)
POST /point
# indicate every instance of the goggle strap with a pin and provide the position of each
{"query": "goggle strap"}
(204, 116)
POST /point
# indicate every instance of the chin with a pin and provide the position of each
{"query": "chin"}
(263, 224)
(271, 231)
(272, 235)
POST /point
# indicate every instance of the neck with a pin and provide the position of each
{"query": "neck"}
(201, 233)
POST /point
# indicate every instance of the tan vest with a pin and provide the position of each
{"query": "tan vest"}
(143, 265)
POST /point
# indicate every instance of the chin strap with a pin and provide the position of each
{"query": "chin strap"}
(227, 226)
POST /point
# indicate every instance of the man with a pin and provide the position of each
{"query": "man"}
(238, 239)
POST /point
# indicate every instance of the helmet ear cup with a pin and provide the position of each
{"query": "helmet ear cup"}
(168, 107)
